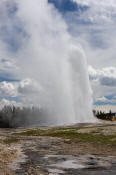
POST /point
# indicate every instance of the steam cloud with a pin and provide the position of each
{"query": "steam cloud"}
(51, 69)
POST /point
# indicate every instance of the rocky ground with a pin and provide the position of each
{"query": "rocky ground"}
(69, 150)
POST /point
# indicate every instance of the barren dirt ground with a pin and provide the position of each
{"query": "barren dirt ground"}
(85, 149)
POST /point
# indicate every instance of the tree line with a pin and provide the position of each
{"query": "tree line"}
(105, 116)
(11, 116)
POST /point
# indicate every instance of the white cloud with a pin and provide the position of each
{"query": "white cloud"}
(28, 86)
(104, 100)
(5, 102)
(7, 89)
(103, 82)
(105, 76)
(94, 28)
(99, 11)
(27, 90)
(7, 65)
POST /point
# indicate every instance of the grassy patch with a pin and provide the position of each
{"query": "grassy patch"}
(33, 133)
(10, 140)
(71, 133)
(97, 130)
(85, 137)
(40, 132)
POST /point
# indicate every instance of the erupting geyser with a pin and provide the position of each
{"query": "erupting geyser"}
(56, 67)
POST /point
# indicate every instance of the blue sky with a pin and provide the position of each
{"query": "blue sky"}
(65, 6)
(90, 24)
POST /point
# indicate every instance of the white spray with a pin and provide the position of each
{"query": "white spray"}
(59, 69)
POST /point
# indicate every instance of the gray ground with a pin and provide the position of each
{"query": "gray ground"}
(48, 154)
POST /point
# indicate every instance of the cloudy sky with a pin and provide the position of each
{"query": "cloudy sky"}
(90, 24)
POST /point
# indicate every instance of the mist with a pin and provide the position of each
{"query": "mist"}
(51, 69)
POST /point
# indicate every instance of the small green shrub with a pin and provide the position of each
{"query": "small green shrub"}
(10, 140)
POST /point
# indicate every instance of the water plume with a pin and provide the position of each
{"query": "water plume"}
(52, 64)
